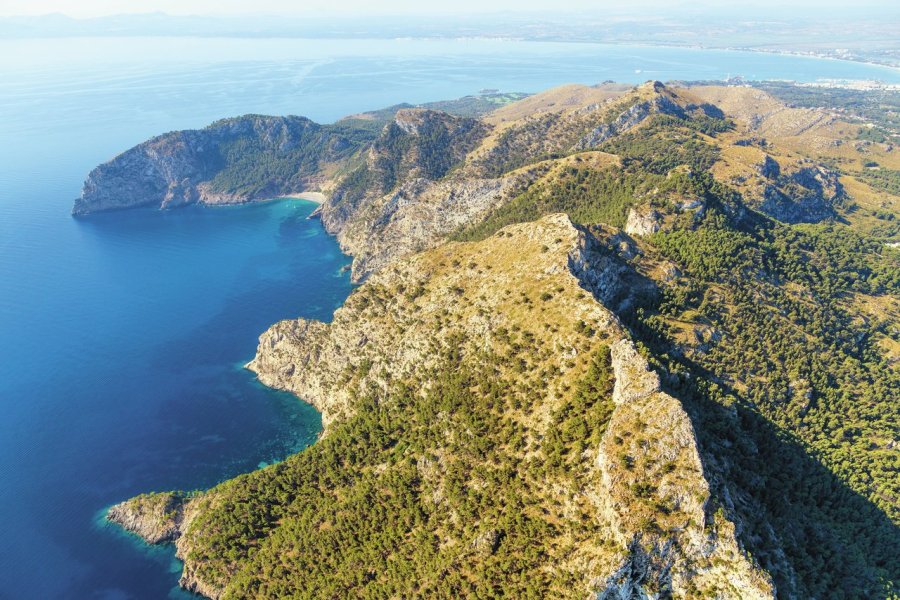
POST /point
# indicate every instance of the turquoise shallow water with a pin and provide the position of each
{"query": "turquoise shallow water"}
(122, 335)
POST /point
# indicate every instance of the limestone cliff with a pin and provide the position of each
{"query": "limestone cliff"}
(401, 200)
(162, 518)
(387, 323)
(656, 493)
(416, 216)
(659, 100)
(154, 517)
(807, 195)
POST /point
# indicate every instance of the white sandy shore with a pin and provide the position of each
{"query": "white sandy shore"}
(317, 197)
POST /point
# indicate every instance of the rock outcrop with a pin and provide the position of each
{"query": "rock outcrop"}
(164, 517)
(658, 499)
(642, 221)
(156, 518)
(662, 101)
(418, 215)
(400, 200)
(784, 188)
(806, 195)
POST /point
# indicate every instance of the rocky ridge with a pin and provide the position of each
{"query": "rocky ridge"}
(385, 332)
(425, 174)
(163, 517)
(399, 200)
(698, 554)
(661, 102)
(156, 518)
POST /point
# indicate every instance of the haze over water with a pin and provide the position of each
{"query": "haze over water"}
(122, 335)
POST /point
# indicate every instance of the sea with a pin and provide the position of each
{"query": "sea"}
(123, 336)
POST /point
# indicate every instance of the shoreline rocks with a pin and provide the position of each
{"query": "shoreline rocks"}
(155, 517)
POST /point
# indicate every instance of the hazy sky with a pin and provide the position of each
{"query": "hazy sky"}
(94, 8)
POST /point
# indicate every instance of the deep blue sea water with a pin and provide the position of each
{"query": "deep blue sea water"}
(122, 335)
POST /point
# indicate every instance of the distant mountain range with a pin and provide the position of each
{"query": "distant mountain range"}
(853, 34)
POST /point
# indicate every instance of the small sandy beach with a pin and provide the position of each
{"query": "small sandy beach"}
(317, 197)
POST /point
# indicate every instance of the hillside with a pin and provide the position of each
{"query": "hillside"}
(618, 342)
(461, 431)
(233, 160)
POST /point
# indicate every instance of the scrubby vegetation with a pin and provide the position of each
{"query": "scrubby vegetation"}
(589, 194)
(255, 166)
(438, 143)
(476, 106)
(666, 142)
(881, 107)
(586, 194)
(816, 399)
(432, 493)
(762, 321)
(886, 180)
(526, 143)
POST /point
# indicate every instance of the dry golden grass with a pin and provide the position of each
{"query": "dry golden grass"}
(884, 309)
(559, 99)
(868, 197)
(550, 169)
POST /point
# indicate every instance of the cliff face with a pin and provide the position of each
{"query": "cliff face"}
(156, 518)
(401, 199)
(807, 195)
(657, 495)
(163, 518)
(418, 215)
(790, 190)
(233, 160)
(387, 323)
(661, 101)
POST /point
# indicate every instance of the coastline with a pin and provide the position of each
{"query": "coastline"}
(165, 551)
